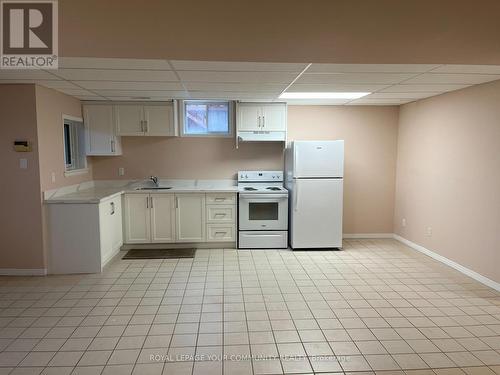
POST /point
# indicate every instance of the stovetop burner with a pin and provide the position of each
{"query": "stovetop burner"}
(249, 188)
(273, 188)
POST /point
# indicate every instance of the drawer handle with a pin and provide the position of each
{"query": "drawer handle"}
(220, 199)
(217, 233)
(220, 214)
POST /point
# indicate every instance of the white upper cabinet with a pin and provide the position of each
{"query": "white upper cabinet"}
(261, 117)
(129, 119)
(146, 119)
(248, 117)
(100, 130)
(274, 117)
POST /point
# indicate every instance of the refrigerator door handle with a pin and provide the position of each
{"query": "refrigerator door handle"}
(296, 203)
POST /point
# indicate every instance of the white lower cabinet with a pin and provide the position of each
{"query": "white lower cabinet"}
(137, 218)
(190, 217)
(162, 218)
(111, 230)
(83, 237)
(179, 218)
(149, 218)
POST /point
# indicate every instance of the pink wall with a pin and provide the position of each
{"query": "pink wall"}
(187, 157)
(370, 134)
(20, 193)
(448, 176)
(51, 105)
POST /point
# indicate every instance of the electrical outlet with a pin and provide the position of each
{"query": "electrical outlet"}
(53, 177)
(403, 222)
(23, 163)
(428, 232)
(121, 171)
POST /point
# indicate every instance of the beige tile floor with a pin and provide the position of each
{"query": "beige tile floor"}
(376, 307)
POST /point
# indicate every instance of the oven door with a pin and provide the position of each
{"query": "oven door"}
(263, 211)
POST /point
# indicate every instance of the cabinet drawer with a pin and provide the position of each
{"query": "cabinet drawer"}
(221, 213)
(220, 232)
(221, 198)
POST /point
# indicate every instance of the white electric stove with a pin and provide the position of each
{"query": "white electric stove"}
(263, 210)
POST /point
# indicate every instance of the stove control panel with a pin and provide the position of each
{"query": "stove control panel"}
(260, 176)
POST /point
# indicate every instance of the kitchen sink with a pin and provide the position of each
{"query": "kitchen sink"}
(154, 188)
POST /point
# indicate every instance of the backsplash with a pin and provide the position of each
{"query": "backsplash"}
(187, 158)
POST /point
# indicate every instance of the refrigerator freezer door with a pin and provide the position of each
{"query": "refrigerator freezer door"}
(318, 159)
(316, 213)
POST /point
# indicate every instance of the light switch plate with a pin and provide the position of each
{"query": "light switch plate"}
(121, 171)
(23, 163)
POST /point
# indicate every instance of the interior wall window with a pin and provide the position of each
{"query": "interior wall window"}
(206, 118)
(74, 146)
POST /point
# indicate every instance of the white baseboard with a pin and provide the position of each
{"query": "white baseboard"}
(367, 235)
(23, 271)
(466, 271)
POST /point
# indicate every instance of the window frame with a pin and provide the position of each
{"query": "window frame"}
(78, 155)
(231, 117)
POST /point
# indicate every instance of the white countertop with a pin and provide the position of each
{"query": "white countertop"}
(97, 191)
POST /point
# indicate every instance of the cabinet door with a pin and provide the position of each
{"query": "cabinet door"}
(248, 117)
(110, 228)
(100, 130)
(190, 217)
(159, 120)
(274, 117)
(137, 218)
(129, 119)
(162, 218)
(116, 223)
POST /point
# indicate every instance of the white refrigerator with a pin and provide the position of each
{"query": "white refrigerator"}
(314, 178)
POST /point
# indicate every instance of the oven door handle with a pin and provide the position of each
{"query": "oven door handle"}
(263, 196)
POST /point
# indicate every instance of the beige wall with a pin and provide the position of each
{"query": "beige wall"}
(20, 197)
(50, 107)
(448, 176)
(370, 135)
(188, 157)
(33, 113)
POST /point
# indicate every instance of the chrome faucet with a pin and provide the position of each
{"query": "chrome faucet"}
(155, 180)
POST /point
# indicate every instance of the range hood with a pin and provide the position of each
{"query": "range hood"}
(261, 136)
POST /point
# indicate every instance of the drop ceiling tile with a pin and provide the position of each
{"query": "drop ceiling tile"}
(27, 74)
(320, 87)
(112, 63)
(231, 95)
(17, 81)
(474, 69)
(87, 97)
(423, 88)
(238, 87)
(57, 84)
(142, 99)
(243, 77)
(316, 101)
(136, 93)
(117, 75)
(226, 66)
(364, 101)
(109, 85)
(370, 68)
(357, 78)
(401, 95)
(74, 92)
(452, 78)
